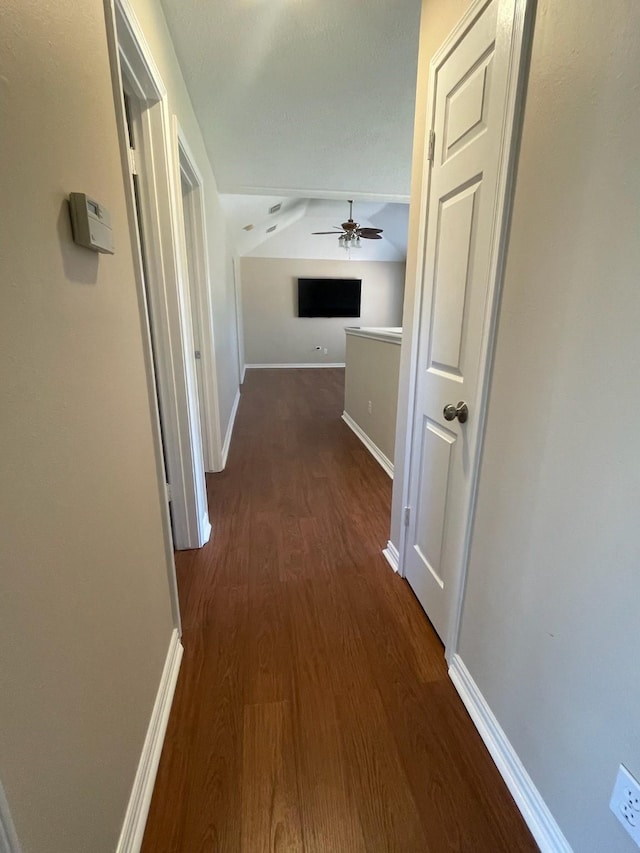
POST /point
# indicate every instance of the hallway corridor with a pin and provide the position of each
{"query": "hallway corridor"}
(313, 710)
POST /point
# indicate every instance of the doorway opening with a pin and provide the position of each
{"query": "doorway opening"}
(196, 263)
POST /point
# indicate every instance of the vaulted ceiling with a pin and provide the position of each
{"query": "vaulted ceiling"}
(302, 98)
(282, 227)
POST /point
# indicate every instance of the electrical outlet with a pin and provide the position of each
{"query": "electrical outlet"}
(326, 350)
(369, 407)
(625, 802)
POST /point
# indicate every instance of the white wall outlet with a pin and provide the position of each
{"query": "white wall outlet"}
(326, 350)
(369, 407)
(625, 802)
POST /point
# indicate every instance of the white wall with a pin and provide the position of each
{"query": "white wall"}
(85, 613)
(550, 625)
(274, 334)
(151, 18)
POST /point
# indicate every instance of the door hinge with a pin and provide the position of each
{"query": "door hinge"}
(407, 515)
(431, 150)
(198, 354)
(167, 489)
(133, 166)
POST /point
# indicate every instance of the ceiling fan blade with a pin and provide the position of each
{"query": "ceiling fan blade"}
(367, 232)
(335, 233)
(371, 236)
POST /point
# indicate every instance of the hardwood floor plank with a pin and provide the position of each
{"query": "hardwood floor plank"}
(268, 664)
(270, 815)
(327, 801)
(197, 798)
(388, 813)
(313, 711)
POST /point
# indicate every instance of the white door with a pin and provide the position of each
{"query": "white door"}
(474, 82)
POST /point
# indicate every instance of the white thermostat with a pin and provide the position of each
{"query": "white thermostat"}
(91, 223)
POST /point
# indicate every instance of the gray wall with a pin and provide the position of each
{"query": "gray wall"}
(551, 628)
(372, 376)
(274, 334)
(550, 625)
(85, 614)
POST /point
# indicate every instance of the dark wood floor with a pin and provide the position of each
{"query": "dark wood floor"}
(313, 710)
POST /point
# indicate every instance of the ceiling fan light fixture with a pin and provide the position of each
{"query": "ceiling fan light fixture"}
(349, 237)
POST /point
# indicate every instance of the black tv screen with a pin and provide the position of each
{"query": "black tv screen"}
(329, 297)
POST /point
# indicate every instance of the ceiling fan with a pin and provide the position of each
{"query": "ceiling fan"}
(349, 232)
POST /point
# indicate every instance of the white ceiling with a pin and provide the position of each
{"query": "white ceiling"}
(299, 217)
(302, 98)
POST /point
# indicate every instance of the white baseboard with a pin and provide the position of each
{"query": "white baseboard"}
(205, 528)
(296, 366)
(229, 433)
(8, 838)
(136, 816)
(535, 812)
(392, 556)
(373, 449)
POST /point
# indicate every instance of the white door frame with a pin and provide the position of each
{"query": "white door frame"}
(237, 290)
(200, 288)
(518, 60)
(8, 837)
(168, 303)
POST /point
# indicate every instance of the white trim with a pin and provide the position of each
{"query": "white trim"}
(237, 292)
(520, 24)
(298, 192)
(533, 808)
(160, 214)
(389, 336)
(373, 449)
(229, 433)
(200, 291)
(294, 366)
(8, 837)
(135, 818)
(244, 373)
(391, 555)
(205, 526)
(115, 57)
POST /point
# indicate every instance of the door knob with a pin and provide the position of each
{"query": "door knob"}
(451, 412)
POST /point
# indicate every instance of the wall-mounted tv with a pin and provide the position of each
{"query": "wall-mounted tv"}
(329, 297)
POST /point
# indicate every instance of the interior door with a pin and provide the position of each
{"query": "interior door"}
(473, 111)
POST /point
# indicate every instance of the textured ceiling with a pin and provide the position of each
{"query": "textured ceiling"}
(305, 98)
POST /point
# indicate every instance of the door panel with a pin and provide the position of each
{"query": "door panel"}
(472, 106)
(437, 446)
(454, 240)
(466, 107)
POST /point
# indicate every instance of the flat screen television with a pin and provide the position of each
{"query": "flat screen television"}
(329, 297)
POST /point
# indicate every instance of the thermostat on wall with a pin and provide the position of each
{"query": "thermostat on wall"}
(91, 223)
